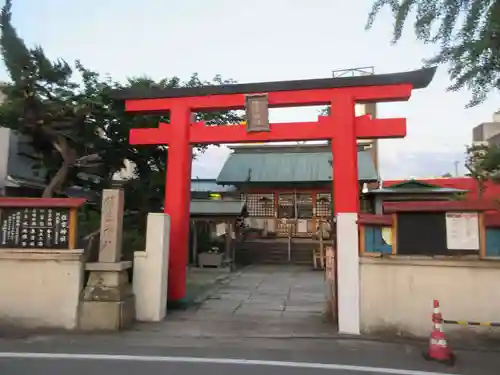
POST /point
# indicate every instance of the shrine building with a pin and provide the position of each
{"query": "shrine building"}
(287, 182)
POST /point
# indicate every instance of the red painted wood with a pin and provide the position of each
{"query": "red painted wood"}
(299, 98)
(345, 161)
(323, 188)
(41, 202)
(492, 220)
(491, 192)
(323, 129)
(370, 219)
(177, 199)
(149, 136)
(341, 127)
(437, 206)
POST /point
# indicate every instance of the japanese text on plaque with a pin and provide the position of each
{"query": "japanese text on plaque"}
(34, 228)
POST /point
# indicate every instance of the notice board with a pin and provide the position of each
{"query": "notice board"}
(421, 233)
(437, 233)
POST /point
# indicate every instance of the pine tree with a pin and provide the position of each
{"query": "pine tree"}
(42, 103)
(80, 134)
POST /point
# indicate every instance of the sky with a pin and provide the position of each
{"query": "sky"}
(255, 41)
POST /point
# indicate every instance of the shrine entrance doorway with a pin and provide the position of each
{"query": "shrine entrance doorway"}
(341, 127)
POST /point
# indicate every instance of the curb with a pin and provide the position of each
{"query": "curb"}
(415, 342)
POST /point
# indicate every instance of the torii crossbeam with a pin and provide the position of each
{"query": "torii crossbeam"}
(341, 127)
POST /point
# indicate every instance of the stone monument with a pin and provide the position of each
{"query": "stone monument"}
(107, 300)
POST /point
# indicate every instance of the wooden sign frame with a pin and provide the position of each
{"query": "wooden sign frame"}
(58, 205)
(257, 113)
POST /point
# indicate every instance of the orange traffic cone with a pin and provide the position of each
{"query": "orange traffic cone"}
(438, 346)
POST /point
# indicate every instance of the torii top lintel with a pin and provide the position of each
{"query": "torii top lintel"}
(370, 88)
(183, 101)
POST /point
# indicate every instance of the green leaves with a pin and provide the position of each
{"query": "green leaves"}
(467, 32)
(78, 133)
(483, 164)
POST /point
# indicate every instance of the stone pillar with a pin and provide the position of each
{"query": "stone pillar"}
(110, 244)
(108, 301)
(151, 270)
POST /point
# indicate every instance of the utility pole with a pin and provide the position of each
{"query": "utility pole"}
(456, 162)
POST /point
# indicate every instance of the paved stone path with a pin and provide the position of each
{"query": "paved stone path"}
(258, 301)
(269, 292)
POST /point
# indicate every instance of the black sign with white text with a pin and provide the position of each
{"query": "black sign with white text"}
(34, 228)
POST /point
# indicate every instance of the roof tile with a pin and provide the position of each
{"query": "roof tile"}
(273, 167)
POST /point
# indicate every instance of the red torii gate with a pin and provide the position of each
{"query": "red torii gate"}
(341, 127)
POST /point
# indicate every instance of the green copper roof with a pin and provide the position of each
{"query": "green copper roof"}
(298, 167)
(412, 184)
(208, 207)
(209, 185)
(415, 187)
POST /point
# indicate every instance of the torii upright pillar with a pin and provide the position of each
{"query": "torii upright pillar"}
(341, 127)
(346, 206)
(177, 198)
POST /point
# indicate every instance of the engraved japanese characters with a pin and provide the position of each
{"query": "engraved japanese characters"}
(32, 228)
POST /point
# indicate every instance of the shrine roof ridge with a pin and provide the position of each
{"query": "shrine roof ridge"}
(419, 79)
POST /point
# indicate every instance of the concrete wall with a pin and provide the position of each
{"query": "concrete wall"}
(396, 294)
(40, 288)
(486, 131)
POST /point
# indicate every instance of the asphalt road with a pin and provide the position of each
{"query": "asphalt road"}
(45, 364)
(110, 356)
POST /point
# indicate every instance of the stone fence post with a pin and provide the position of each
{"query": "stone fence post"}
(108, 301)
(151, 270)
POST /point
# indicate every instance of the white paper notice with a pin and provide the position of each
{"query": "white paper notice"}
(220, 229)
(462, 231)
(330, 265)
(302, 226)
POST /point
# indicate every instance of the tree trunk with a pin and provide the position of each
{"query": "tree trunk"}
(69, 158)
(480, 190)
(57, 181)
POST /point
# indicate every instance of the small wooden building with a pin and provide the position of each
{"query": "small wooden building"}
(410, 190)
(207, 188)
(213, 230)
